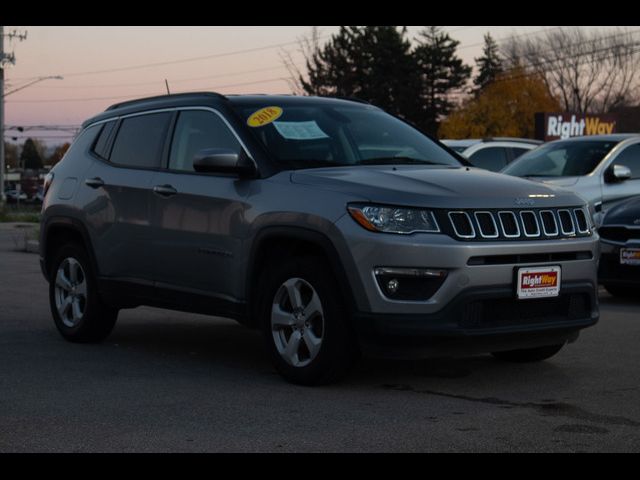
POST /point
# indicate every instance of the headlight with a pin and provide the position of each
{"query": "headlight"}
(378, 218)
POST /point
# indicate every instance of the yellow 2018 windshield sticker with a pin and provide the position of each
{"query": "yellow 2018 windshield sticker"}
(264, 116)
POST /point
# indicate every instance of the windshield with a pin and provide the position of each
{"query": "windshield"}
(307, 136)
(561, 159)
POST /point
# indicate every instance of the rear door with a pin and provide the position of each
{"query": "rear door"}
(119, 211)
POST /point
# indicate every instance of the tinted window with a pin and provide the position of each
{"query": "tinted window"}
(517, 152)
(102, 143)
(140, 140)
(196, 131)
(336, 134)
(561, 159)
(630, 157)
(491, 158)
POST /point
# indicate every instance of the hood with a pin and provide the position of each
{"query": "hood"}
(558, 181)
(436, 187)
(625, 213)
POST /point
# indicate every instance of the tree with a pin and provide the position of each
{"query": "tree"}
(442, 72)
(11, 155)
(489, 64)
(30, 158)
(57, 154)
(372, 63)
(588, 72)
(504, 108)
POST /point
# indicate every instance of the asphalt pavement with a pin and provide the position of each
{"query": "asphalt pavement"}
(173, 382)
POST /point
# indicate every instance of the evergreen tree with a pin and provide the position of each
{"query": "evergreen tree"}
(30, 157)
(442, 72)
(372, 63)
(489, 64)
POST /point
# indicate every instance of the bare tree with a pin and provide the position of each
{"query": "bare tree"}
(589, 72)
(308, 46)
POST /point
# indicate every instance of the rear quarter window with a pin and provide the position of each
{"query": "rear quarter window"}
(140, 141)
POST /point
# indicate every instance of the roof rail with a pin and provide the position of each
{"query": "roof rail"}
(512, 139)
(161, 97)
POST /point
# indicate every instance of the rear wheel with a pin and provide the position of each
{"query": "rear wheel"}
(528, 355)
(78, 312)
(305, 323)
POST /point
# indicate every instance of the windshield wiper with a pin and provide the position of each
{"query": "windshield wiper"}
(397, 161)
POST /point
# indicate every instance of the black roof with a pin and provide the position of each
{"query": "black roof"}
(200, 98)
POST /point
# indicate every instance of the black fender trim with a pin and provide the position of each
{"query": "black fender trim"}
(319, 239)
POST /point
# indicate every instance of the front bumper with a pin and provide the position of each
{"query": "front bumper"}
(482, 320)
(475, 308)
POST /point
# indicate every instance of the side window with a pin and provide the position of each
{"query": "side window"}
(102, 144)
(630, 157)
(197, 130)
(516, 152)
(491, 158)
(140, 140)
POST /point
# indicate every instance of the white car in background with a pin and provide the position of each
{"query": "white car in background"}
(492, 153)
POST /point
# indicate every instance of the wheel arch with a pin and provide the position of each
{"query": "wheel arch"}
(292, 241)
(58, 231)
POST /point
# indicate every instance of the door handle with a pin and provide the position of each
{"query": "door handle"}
(165, 190)
(94, 182)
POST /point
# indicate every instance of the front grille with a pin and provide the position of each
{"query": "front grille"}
(619, 233)
(508, 311)
(530, 224)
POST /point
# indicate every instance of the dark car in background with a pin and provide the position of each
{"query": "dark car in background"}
(619, 269)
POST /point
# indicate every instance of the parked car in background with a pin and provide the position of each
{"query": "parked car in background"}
(492, 153)
(15, 196)
(619, 270)
(602, 169)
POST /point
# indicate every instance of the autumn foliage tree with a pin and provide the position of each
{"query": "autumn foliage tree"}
(504, 108)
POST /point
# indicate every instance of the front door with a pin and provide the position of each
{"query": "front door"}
(198, 219)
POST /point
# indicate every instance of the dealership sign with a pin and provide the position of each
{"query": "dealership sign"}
(554, 126)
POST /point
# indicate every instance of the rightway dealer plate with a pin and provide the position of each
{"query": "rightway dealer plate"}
(630, 256)
(539, 282)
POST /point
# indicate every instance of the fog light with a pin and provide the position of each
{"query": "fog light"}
(418, 284)
(393, 285)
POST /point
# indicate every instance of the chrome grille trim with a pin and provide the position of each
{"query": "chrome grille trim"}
(493, 220)
(555, 223)
(515, 221)
(584, 214)
(453, 224)
(573, 227)
(524, 225)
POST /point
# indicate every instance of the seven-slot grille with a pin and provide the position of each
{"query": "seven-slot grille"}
(525, 224)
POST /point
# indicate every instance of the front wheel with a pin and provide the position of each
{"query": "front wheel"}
(78, 312)
(305, 323)
(528, 355)
(621, 291)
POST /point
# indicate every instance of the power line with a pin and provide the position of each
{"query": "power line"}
(179, 61)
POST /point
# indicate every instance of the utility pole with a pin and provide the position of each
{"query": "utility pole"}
(5, 58)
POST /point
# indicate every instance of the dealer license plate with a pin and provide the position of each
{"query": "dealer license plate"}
(630, 256)
(539, 282)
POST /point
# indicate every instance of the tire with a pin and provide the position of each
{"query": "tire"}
(316, 331)
(77, 310)
(621, 291)
(528, 355)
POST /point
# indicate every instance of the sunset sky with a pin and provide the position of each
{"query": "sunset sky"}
(104, 65)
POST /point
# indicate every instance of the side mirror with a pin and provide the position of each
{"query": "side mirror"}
(617, 174)
(217, 160)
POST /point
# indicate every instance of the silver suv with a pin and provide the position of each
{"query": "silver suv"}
(602, 169)
(335, 228)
